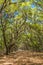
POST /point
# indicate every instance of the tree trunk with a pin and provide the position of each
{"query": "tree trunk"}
(4, 38)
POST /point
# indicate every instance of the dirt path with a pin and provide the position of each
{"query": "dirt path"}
(22, 58)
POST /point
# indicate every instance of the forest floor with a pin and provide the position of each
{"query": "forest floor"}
(22, 58)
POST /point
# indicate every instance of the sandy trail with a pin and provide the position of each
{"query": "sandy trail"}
(22, 58)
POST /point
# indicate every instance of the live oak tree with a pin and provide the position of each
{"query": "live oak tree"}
(21, 25)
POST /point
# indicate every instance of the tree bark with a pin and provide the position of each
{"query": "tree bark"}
(4, 38)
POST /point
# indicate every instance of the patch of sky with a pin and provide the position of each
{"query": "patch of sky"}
(39, 8)
(33, 6)
(36, 0)
(19, 0)
(28, 20)
(13, 1)
(16, 13)
(5, 15)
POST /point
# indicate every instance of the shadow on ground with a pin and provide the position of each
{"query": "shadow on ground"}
(22, 58)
